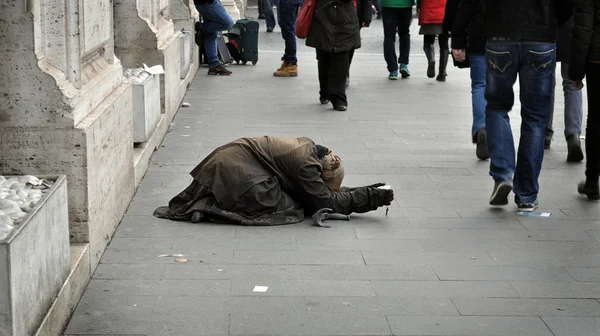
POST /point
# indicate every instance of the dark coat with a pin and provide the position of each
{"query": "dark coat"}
(467, 24)
(563, 42)
(334, 26)
(533, 20)
(585, 38)
(364, 9)
(264, 181)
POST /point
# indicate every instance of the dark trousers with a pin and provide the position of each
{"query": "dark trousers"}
(333, 70)
(287, 10)
(592, 133)
(396, 20)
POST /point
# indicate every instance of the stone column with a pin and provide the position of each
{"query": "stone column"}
(64, 109)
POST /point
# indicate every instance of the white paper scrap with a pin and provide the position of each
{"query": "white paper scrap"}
(545, 214)
(155, 70)
(260, 289)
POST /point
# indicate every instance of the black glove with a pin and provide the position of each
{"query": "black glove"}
(381, 197)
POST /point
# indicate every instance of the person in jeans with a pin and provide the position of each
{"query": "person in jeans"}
(287, 10)
(214, 19)
(520, 42)
(585, 62)
(334, 33)
(467, 27)
(431, 16)
(365, 16)
(269, 14)
(397, 17)
(573, 99)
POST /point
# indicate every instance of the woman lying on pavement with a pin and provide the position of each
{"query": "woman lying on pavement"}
(270, 181)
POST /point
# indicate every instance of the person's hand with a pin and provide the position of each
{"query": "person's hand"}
(384, 197)
(578, 85)
(459, 54)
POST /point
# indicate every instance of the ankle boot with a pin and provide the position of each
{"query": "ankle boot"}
(443, 63)
(590, 189)
(430, 53)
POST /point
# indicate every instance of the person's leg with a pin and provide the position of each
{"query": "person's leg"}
(350, 57)
(215, 19)
(269, 14)
(501, 74)
(404, 21)
(478, 131)
(390, 24)
(536, 73)
(338, 71)
(444, 54)
(261, 9)
(573, 115)
(549, 130)
(428, 41)
(323, 62)
(377, 4)
(592, 133)
(287, 11)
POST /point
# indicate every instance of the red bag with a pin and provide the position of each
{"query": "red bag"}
(304, 18)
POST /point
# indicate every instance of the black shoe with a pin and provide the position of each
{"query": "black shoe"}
(547, 143)
(261, 16)
(378, 17)
(431, 69)
(444, 55)
(528, 206)
(575, 154)
(482, 149)
(500, 193)
(324, 101)
(441, 78)
(219, 70)
(341, 108)
(430, 54)
(591, 190)
(270, 29)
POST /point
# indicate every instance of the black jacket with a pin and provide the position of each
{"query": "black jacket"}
(466, 21)
(585, 40)
(334, 26)
(364, 10)
(530, 20)
(563, 43)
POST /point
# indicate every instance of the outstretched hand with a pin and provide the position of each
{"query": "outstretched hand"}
(384, 197)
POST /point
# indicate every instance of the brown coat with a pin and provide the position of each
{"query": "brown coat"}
(263, 181)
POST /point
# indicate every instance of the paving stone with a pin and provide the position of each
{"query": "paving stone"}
(302, 288)
(366, 272)
(258, 243)
(188, 323)
(402, 233)
(141, 243)
(230, 305)
(444, 288)
(588, 274)
(359, 245)
(573, 326)
(501, 273)
(229, 272)
(152, 227)
(552, 235)
(427, 258)
(468, 326)
(405, 306)
(153, 256)
(535, 259)
(464, 223)
(161, 287)
(298, 258)
(567, 290)
(129, 272)
(527, 307)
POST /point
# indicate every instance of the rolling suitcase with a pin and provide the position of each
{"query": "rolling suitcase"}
(243, 41)
(223, 51)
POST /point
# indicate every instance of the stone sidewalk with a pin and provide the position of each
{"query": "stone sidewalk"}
(441, 263)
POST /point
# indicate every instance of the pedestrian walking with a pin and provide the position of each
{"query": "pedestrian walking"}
(364, 10)
(397, 17)
(287, 10)
(520, 42)
(431, 17)
(585, 62)
(573, 99)
(334, 33)
(468, 46)
(270, 14)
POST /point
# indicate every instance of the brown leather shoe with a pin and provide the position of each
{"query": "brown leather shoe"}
(287, 70)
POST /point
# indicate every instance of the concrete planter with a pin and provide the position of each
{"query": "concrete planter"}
(146, 108)
(34, 263)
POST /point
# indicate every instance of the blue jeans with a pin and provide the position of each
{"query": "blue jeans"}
(478, 92)
(535, 64)
(287, 10)
(269, 14)
(573, 106)
(396, 20)
(377, 4)
(215, 19)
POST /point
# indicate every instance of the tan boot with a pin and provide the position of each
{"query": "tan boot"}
(287, 70)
